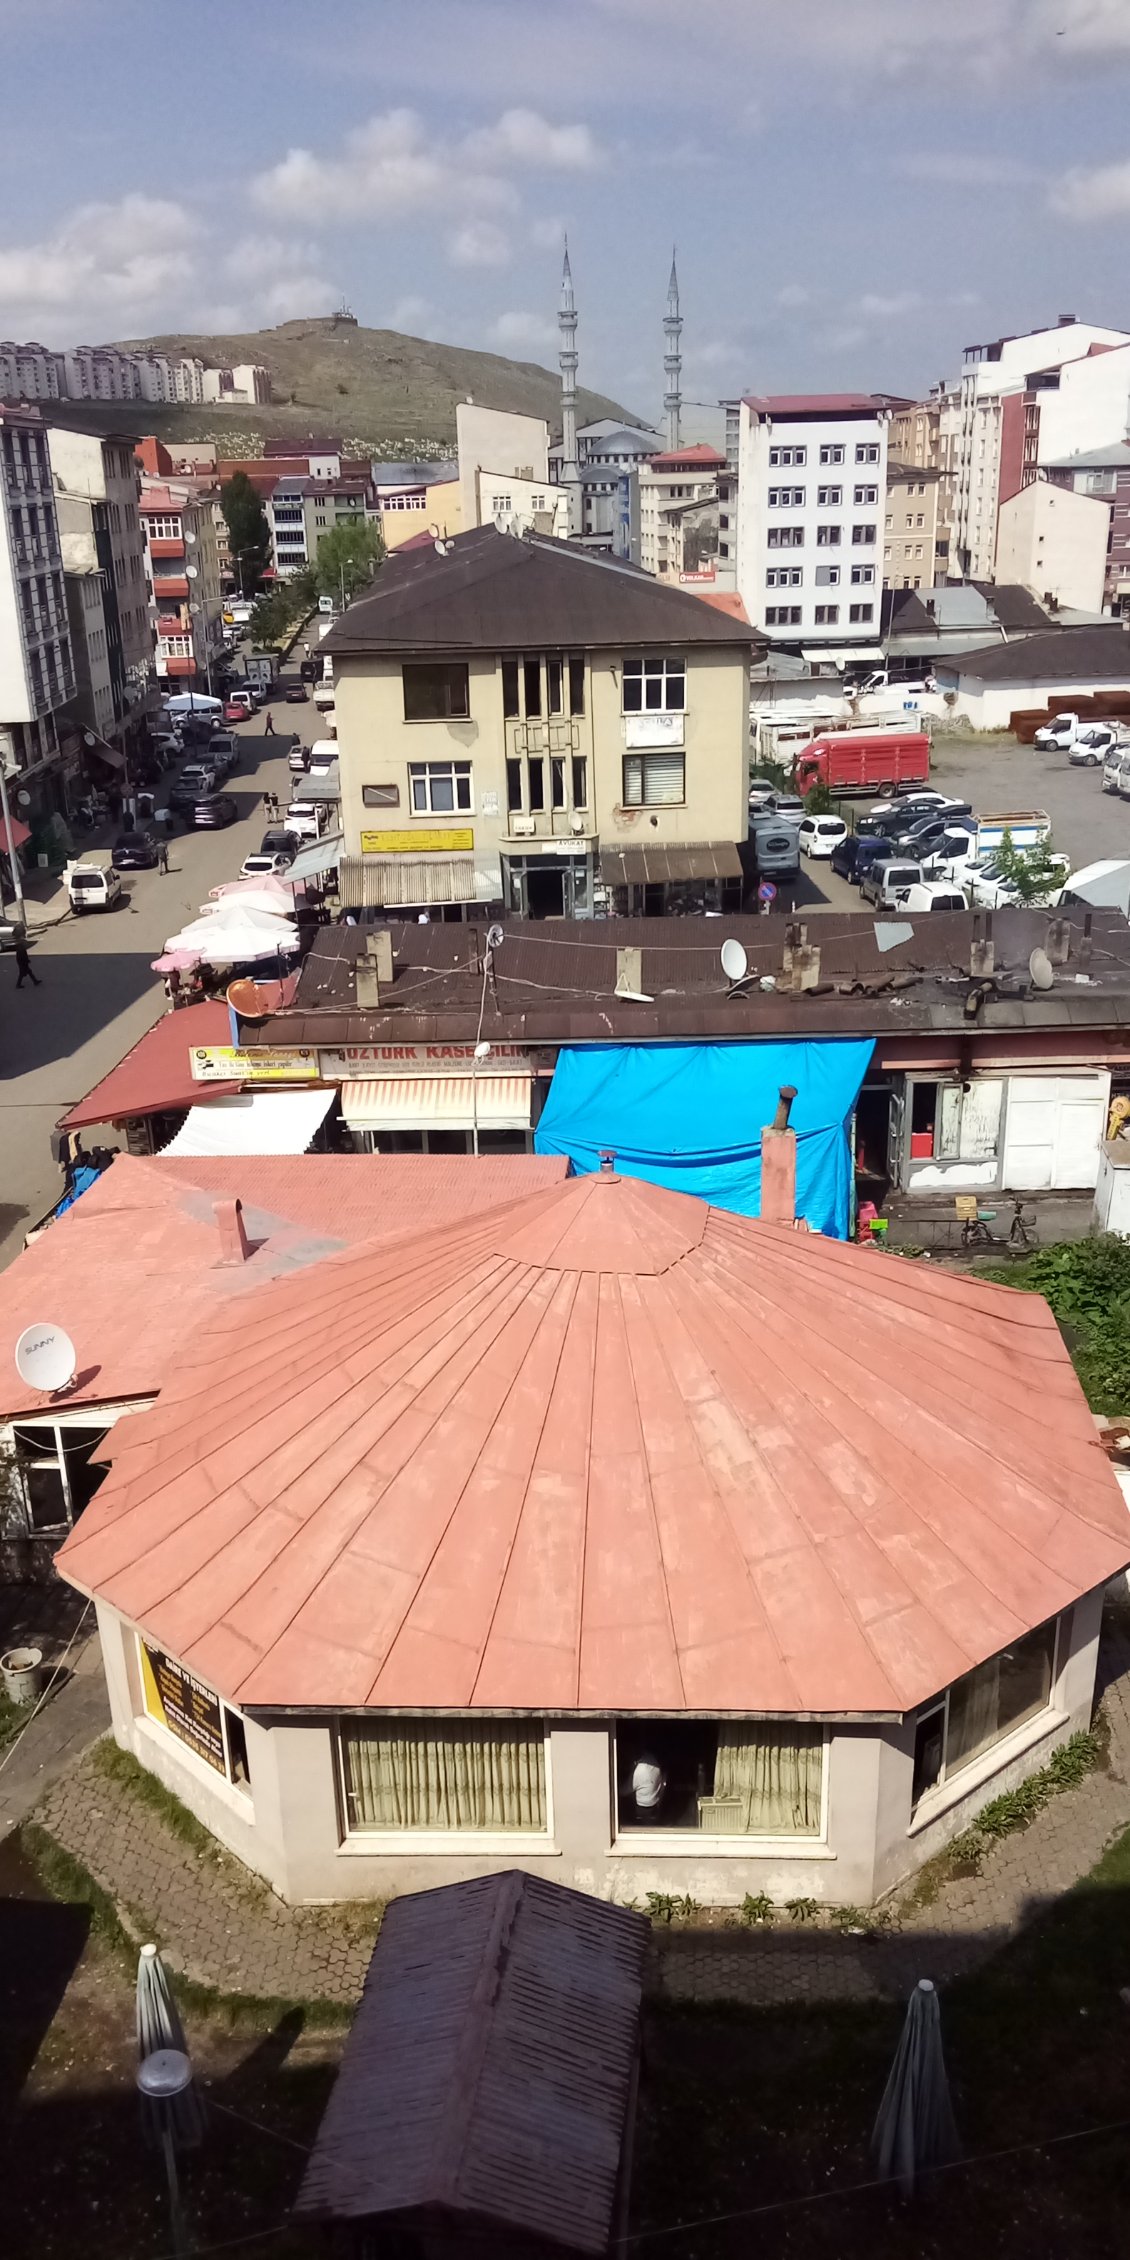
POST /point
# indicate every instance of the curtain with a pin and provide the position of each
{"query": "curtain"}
(777, 1777)
(974, 1714)
(467, 1776)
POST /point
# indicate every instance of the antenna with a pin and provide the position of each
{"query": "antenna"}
(1040, 970)
(735, 963)
(45, 1357)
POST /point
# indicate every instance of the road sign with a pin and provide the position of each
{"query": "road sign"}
(767, 892)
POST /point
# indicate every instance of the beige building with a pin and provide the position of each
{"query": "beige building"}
(406, 512)
(526, 723)
(504, 447)
(910, 527)
(676, 490)
(1054, 541)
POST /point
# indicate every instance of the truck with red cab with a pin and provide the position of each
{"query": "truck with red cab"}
(860, 761)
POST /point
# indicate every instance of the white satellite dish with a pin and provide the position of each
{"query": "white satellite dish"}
(496, 935)
(1040, 970)
(45, 1357)
(735, 963)
(192, 572)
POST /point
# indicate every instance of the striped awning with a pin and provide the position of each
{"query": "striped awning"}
(656, 866)
(438, 1102)
(413, 882)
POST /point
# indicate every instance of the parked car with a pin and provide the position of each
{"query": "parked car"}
(303, 817)
(950, 855)
(898, 816)
(273, 866)
(820, 834)
(856, 854)
(235, 711)
(761, 789)
(886, 884)
(932, 895)
(278, 841)
(223, 750)
(196, 779)
(925, 838)
(92, 886)
(297, 759)
(1093, 744)
(168, 745)
(784, 804)
(913, 798)
(243, 697)
(323, 757)
(1116, 771)
(296, 694)
(134, 851)
(213, 812)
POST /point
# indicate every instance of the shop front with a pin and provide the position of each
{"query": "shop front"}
(435, 1098)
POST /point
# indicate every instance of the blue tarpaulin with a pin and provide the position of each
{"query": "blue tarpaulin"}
(691, 1116)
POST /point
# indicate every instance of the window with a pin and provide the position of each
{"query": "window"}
(782, 458)
(862, 536)
(531, 685)
(580, 781)
(733, 1778)
(52, 1471)
(828, 537)
(786, 537)
(380, 796)
(576, 683)
(866, 494)
(831, 455)
(862, 576)
(888, 522)
(918, 518)
(784, 577)
(918, 549)
(981, 1708)
(782, 616)
(438, 788)
(867, 453)
(535, 779)
(829, 497)
(654, 780)
(828, 576)
(510, 706)
(163, 529)
(553, 685)
(435, 690)
(655, 686)
(513, 784)
(194, 1715)
(444, 1775)
(858, 613)
(786, 498)
(827, 615)
(557, 781)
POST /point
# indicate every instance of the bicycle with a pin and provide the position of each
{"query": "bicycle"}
(975, 1232)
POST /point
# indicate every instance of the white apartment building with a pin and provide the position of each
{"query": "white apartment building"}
(103, 372)
(97, 490)
(812, 478)
(31, 372)
(37, 675)
(669, 484)
(245, 384)
(996, 443)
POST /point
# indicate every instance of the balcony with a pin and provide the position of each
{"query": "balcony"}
(166, 548)
(167, 589)
(178, 664)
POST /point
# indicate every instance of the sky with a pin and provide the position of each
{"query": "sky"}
(857, 188)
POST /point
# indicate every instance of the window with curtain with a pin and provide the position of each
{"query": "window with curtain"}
(456, 1774)
(984, 1706)
(749, 1777)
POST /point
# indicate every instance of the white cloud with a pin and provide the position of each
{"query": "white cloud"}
(478, 244)
(1095, 192)
(883, 306)
(117, 259)
(793, 294)
(388, 168)
(524, 137)
(407, 314)
(519, 330)
(958, 168)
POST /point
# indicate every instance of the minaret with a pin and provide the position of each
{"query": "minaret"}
(672, 359)
(567, 362)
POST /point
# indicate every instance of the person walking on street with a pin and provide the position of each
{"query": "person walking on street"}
(268, 799)
(269, 726)
(162, 855)
(23, 966)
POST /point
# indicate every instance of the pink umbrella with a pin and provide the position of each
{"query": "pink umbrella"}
(283, 889)
(175, 961)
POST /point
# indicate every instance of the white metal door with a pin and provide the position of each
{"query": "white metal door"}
(1054, 1131)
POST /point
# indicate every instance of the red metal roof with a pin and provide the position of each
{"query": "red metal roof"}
(699, 455)
(785, 404)
(606, 1450)
(726, 600)
(154, 1077)
(135, 1265)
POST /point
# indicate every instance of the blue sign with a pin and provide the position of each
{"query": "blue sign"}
(767, 892)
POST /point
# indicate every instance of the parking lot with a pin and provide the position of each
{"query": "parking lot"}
(996, 773)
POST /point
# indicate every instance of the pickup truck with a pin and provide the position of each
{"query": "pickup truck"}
(92, 886)
(1058, 735)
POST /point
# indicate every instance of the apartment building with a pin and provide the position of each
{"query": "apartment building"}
(184, 571)
(31, 372)
(1053, 540)
(97, 491)
(521, 721)
(103, 372)
(1003, 433)
(677, 489)
(300, 510)
(37, 675)
(1105, 472)
(812, 482)
(910, 527)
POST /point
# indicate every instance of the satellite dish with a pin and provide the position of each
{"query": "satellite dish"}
(249, 1000)
(192, 572)
(735, 963)
(45, 1357)
(496, 935)
(1040, 970)
(189, 536)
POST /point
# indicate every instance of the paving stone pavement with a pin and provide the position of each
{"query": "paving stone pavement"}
(54, 1737)
(220, 1926)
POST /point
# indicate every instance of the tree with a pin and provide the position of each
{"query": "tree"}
(1034, 874)
(249, 535)
(348, 557)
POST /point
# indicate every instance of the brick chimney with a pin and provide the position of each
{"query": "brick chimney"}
(778, 1164)
(235, 1247)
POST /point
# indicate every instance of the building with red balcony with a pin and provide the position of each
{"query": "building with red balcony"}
(184, 573)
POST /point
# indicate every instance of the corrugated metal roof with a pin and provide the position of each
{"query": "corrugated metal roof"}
(489, 2071)
(153, 1077)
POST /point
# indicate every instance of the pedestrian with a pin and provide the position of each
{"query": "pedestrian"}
(267, 800)
(269, 727)
(23, 966)
(162, 855)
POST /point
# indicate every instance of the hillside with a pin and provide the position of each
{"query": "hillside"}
(383, 393)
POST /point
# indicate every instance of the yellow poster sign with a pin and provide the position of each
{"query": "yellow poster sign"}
(418, 843)
(224, 1063)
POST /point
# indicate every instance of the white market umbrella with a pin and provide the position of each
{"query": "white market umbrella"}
(235, 934)
(273, 890)
(159, 2027)
(915, 2128)
(254, 897)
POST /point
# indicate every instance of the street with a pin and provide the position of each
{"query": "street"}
(98, 993)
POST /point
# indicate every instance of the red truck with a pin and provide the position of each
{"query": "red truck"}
(864, 761)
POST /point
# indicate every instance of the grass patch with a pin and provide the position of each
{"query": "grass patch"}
(1087, 1284)
(120, 1767)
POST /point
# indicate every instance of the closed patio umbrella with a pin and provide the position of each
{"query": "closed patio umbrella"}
(915, 2126)
(159, 2027)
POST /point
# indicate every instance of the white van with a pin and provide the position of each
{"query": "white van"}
(92, 886)
(820, 834)
(888, 884)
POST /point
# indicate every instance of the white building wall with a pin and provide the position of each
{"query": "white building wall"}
(760, 439)
(1089, 408)
(488, 439)
(984, 381)
(1054, 542)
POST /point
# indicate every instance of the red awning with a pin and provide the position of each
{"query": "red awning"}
(19, 834)
(155, 1078)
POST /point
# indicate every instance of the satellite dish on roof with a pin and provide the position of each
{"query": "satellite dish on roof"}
(1040, 970)
(735, 963)
(45, 1357)
(496, 935)
(248, 999)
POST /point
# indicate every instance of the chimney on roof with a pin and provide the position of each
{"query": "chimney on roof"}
(778, 1164)
(235, 1247)
(374, 967)
(1058, 943)
(1066, 321)
(981, 952)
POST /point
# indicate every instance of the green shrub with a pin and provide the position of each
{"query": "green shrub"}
(756, 1907)
(1087, 1284)
(802, 1910)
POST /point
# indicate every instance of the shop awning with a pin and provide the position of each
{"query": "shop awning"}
(842, 655)
(438, 1102)
(13, 834)
(155, 1077)
(252, 1122)
(321, 855)
(412, 882)
(653, 866)
(109, 754)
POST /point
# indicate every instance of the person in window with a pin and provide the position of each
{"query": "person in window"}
(649, 1784)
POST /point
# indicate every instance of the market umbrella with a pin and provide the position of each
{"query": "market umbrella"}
(159, 2027)
(233, 935)
(256, 897)
(278, 892)
(915, 2126)
(175, 961)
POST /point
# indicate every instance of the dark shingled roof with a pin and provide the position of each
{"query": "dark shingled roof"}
(490, 591)
(489, 2075)
(1066, 655)
(1014, 605)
